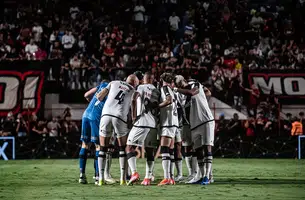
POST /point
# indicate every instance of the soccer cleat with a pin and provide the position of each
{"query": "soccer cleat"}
(205, 181)
(134, 178)
(179, 179)
(82, 179)
(146, 181)
(96, 180)
(190, 177)
(152, 178)
(212, 179)
(195, 180)
(110, 180)
(123, 182)
(164, 182)
(172, 181)
(101, 182)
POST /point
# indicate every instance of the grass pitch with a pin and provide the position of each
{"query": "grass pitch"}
(257, 179)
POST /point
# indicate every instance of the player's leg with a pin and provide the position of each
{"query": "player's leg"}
(121, 129)
(198, 156)
(110, 150)
(208, 142)
(85, 138)
(151, 143)
(178, 156)
(135, 139)
(105, 133)
(172, 161)
(97, 150)
(167, 134)
(188, 149)
(94, 124)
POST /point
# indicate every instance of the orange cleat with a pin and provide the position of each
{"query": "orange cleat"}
(134, 178)
(146, 181)
(172, 181)
(164, 182)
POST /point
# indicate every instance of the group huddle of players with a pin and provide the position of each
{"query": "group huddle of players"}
(135, 112)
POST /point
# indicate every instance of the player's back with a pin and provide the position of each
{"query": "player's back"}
(118, 100)
(168, 114)
(148, 95)
(200, 111)
(94, 112)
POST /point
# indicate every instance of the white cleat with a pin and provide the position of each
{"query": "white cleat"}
(212, 179)
(179, 178)
(195, 180)
(82, 179)
(110, 180)
(187, 179)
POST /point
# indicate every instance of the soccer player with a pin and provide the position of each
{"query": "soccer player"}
(143, 112)
(90, 129)
(169, 125)
(114, 116)
(201, 122)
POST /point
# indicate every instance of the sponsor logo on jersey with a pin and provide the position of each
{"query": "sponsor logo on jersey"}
(20, 92)
(282, 85)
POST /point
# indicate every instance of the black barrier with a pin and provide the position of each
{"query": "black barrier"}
(238, 146)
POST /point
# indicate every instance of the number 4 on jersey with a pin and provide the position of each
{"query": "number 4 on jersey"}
(120, 97)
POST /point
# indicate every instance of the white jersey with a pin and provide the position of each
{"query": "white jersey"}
(146, 115)
(119, 100)
(200, 111)
(180, 100)
(168, 114)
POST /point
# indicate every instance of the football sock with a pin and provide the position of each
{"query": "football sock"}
(102, 162)
(122, 160)
(194, 163)
(132, 161)
(200, 160)
(178, 163)
(208, 160)
(188, 162)
(166, 161)
(108, 164)
(150, 162)
(172, 163)
(82, 160)
(96, 163)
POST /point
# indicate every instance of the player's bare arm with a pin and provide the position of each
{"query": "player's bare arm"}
(89, 94)
(134, 105)
(100, 96)
(191, 92)
(168, 101)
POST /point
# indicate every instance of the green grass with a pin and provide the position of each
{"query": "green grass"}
(234, 179)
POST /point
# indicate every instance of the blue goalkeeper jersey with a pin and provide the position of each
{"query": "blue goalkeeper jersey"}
(93, 112)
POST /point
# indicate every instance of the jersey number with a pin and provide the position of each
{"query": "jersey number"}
(120, 97)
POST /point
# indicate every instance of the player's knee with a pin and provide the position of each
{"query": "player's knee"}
(130, 148)
(122, 152)
(164, 149)
(131, 154)
(207, 149)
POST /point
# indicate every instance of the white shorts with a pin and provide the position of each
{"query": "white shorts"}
(169, 132)
(178, 135)
(137, 136)
(186, 136)
(152, 139)
(109, 124)
(203, 135)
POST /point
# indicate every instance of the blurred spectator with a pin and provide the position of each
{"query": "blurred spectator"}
(8, 125)
(21, 126)
(234, 126)
(297, 127)
(53, 127)
(30, 50)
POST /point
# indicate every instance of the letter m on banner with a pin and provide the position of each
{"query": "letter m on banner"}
(20, 92)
